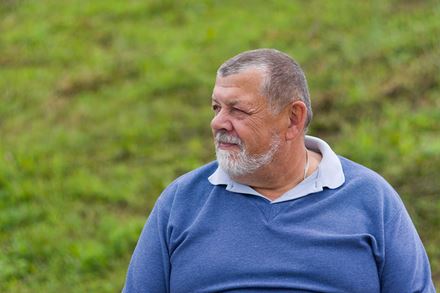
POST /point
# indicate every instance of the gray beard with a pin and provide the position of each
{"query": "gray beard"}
(241, 163)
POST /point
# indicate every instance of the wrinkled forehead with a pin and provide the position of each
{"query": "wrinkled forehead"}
(239, 89)
(243, 69)
(250, 78)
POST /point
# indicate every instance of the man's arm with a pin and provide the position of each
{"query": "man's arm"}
(149, 268)
(406, 265)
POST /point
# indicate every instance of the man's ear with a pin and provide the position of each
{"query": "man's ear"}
(297, 112)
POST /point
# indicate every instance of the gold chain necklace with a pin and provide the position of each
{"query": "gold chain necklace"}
(306, 166)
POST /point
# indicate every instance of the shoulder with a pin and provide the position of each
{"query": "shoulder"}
(360, 175)
(197, 176)
(184, 199)
(189, 186)
(371, 189)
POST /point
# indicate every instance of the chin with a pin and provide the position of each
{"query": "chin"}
(230, 163)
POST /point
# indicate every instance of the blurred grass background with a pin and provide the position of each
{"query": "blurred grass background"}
(104, 103)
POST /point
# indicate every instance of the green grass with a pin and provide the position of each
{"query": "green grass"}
(104, 103)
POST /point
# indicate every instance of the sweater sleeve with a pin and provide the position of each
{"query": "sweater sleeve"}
(149, 269)
(406, 267)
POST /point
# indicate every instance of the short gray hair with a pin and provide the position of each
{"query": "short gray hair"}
(284, 80)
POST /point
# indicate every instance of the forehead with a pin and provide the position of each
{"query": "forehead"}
(243, 87)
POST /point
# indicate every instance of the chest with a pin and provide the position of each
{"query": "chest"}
(253, 245)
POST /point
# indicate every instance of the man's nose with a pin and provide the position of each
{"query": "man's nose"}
(221, 122)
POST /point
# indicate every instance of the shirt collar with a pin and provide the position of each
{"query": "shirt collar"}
(330, 168)
(328, 174)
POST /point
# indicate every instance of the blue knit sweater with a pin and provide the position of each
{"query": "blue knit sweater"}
(356, 238)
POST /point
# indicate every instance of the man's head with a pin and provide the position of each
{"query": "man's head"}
(261, 103)
(284, 80)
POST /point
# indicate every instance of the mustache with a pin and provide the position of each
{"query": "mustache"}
(223, 137)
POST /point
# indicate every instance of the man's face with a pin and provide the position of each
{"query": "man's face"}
(246, 133)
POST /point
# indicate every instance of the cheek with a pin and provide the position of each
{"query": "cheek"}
(258, 127)
(254, 133)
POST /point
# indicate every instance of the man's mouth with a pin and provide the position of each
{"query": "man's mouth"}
(226, 142)
(227, 145)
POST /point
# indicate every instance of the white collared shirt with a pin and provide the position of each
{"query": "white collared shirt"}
(328, 174)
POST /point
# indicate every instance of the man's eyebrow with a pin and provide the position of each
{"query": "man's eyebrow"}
(229, 103)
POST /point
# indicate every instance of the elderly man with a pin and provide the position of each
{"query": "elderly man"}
(278, 211)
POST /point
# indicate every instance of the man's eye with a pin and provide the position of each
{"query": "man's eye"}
(239, 111)
(216, 108)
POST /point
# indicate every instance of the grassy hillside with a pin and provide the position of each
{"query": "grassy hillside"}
(104, 103)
